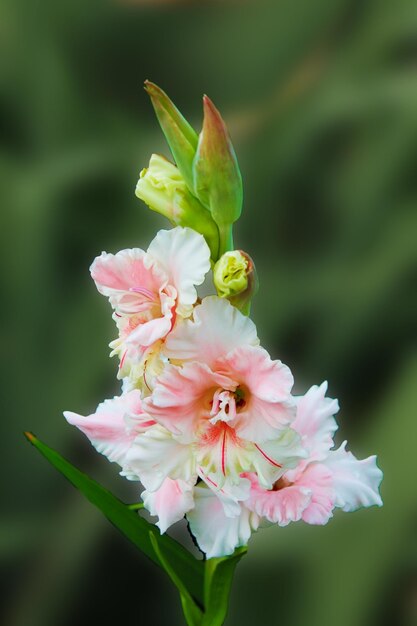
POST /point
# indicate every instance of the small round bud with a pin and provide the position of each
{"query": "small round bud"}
(230, 274)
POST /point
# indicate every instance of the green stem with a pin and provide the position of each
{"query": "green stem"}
(136, 506)
(226, 238)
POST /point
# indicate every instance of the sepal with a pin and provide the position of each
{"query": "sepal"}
(181, 137)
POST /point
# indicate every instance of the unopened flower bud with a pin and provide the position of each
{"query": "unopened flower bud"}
(235, 278)
(181, 137)
(217, 178)
(162, 187)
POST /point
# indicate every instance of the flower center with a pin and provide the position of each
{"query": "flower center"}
(226, 404)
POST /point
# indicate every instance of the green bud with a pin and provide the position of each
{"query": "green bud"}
(229, 274)
(235, 278)
(163, 189)
(181, 137)
(217, 178)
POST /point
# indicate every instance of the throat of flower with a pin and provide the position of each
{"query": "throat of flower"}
(223, 407)
(281, 483)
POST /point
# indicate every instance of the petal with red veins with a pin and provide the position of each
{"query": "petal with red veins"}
(266, 388)
(272, 459)
(182, 396)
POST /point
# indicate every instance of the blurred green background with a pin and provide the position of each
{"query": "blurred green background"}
(321, 101)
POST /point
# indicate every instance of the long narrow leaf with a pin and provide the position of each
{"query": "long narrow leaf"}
(192, 612)
(187, 569)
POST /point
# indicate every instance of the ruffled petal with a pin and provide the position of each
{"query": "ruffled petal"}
(181, 397)
(216, 329)
(230, 494)
(266, 387)
(355, 482)
(216, 533)
(170, 502)
(156, 455)
(318, 478)
(272, 459)
(108, 429)
(315, 422)
(282, 506)
(131, 284)
(185, 257)
(149, 332)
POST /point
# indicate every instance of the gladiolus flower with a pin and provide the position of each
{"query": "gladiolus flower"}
(149, 290)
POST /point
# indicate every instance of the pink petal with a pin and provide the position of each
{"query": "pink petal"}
(318, 478)
(182, 396)
(216, 329)
(127, 270)
(147, 333)
(107, 428)
(170, 502)
(266, 385)
(185, 257)
(282, 506)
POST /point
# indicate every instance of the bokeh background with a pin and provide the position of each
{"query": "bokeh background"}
(321, 101)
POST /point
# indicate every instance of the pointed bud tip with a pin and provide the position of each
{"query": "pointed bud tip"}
(29, 436)
(213, 117)
(151, 88)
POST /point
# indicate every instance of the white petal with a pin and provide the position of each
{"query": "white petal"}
(231, 494)
(315, 422)
(170, 502)
(185, 256)
(107, 428)
(355, 482)
(218, 328)
(273, 458)
(216, 534)
(156, 455)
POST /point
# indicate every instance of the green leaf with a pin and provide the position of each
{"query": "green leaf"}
(177, 561)
(192, 612)
(217, 584)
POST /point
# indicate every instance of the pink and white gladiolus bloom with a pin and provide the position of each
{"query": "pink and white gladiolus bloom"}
(149, 290)
(207, 422)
